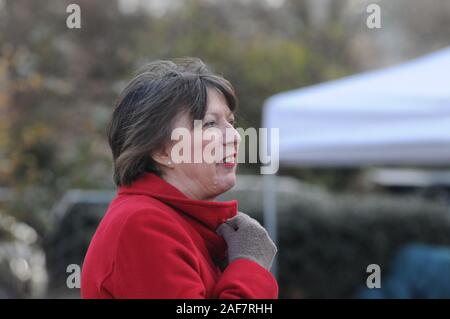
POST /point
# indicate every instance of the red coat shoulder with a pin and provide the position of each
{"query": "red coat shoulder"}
(138, 236)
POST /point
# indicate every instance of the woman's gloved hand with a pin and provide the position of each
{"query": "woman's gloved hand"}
(246, 238)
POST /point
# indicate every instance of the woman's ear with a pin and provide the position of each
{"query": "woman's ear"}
(162, 157)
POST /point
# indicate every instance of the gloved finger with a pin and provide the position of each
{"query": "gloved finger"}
(233, 222)
(238, 220)
(225, 230)
(254, 221)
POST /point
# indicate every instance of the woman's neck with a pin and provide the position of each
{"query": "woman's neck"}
(188, 188)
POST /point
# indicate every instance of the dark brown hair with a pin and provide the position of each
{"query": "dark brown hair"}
(145, 110)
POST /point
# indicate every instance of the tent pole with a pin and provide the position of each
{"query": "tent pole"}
(270, 212)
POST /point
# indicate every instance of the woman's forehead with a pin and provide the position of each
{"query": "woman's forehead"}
(217, 104)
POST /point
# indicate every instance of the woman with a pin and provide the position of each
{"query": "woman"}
(164, 235)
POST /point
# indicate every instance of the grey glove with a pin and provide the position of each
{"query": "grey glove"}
(246, 238)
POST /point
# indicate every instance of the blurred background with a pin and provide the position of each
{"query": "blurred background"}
(57, 91)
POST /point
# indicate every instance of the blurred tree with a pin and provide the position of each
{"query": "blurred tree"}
(57, 87)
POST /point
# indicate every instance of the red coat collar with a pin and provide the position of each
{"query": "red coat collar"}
(211, 214)
(206, 215)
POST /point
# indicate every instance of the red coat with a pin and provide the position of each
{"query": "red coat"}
(154, 242)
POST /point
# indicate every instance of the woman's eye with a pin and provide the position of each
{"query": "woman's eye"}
(232, 122)
(210, 124)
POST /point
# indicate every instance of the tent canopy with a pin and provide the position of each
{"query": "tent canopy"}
(397, 115)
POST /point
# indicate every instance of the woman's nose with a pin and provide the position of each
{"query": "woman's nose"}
(231, 142)
(231, 136)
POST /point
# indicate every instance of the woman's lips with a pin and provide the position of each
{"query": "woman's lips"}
(229, 161)
(229, 165)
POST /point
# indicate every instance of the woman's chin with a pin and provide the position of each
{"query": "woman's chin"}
(226, 178)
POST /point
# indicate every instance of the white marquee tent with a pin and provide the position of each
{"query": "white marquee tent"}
(398, 115)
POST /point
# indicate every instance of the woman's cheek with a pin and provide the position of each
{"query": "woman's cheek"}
(211, 151)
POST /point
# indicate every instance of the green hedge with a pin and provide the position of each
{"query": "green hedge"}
(324, 248)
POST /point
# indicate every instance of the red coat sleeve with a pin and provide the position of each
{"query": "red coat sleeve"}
(246, 279)
(156, 258)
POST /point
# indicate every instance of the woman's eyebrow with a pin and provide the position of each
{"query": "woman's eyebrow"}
(229, 113)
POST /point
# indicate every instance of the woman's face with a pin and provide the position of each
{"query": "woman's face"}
(215, 172)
